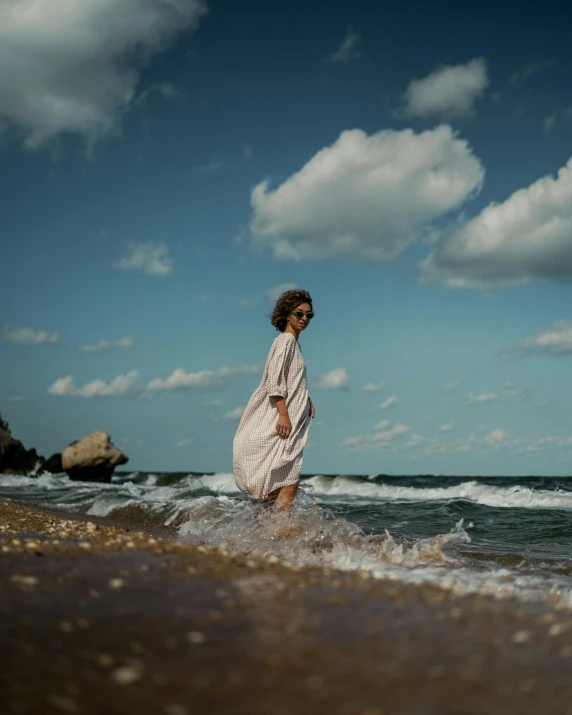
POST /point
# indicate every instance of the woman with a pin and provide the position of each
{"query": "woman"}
(270, 439)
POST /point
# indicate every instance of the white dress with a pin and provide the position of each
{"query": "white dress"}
(262, 460)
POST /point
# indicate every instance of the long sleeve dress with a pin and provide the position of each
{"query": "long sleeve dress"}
(262, 460)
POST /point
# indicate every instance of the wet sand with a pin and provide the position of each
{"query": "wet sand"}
(99, 619)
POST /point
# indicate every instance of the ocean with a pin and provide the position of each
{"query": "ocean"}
(498, 536)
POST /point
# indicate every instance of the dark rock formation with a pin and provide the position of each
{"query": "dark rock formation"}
(92, 458)
(54, 464)
(14, 457)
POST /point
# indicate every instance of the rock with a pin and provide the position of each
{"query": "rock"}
(14, 457)
(92, 458)
(54, 464)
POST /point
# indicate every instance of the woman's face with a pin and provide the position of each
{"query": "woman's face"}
(302, 322)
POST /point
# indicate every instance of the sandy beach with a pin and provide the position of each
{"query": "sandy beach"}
(102, 619)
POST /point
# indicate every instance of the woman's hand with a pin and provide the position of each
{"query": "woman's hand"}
(312, 410)
(284, 426)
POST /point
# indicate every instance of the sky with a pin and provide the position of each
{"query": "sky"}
(169, 167)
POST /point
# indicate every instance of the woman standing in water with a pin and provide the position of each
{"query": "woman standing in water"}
(269, 442)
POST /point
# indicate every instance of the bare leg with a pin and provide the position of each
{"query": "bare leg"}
(285, 497)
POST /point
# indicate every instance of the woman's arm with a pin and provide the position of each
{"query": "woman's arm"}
(312, 410)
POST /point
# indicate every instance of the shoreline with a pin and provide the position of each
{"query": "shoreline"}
(97, 618)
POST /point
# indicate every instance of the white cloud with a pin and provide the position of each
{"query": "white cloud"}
(247, 152)
(482, 398)
(336, 379)
(452, 386)
(181, 380)
(372, 387)
(16, 398)
(557, 340)
(446, 428)
(150, 258)
(528, 237)
(126, 343)
(389, 403)
(347, 48)
(378, 440)
(28, 336)
(121, 385)
(351, 442)
(523, 74)
(73, 67)
(548, 123)
(275, 293)
(495, 438)
(366, 197)
(381, 425)
(235, 414)
(182, 442)
(448, 92)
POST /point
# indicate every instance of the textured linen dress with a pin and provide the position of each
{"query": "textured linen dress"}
(262, 460)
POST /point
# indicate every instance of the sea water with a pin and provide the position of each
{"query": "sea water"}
(505, 537)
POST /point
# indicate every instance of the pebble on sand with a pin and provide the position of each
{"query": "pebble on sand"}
(126, 674)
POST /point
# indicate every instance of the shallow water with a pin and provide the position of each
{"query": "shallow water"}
(499, 536)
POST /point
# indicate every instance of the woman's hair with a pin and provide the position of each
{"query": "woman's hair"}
(288, 302)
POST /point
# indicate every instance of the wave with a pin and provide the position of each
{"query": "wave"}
(501, 497)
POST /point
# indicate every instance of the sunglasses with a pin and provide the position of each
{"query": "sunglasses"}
(300, 314)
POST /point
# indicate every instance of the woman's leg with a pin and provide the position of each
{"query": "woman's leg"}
(284, 497)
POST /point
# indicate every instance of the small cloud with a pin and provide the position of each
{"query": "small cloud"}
(523, 74)
(121, 385)
(245, 303)
(548, 123)
(214, 403)
(182, 442)
(388, 404)
(126, 343)
(336, 379)
(372, 387)
(381, 425)
(235, 414)
(16, 398)
(275, 293)
(247, 152)
(165, 89)
(481, 398)
(452, 386)
(446, 428)
(28, 336)
(347, 49)
(150, 258)
(495, 438)
(351, 441)
(555, 341)
(449, 92)
(213, 165)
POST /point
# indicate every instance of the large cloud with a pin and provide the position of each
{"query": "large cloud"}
(366, 197)
(121, 385)
(72, 65)
(448, 92)
(181, 380)
(528, 237)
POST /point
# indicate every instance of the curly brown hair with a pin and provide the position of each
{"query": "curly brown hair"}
(288, 302)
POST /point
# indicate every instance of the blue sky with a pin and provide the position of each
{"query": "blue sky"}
(167, 167)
